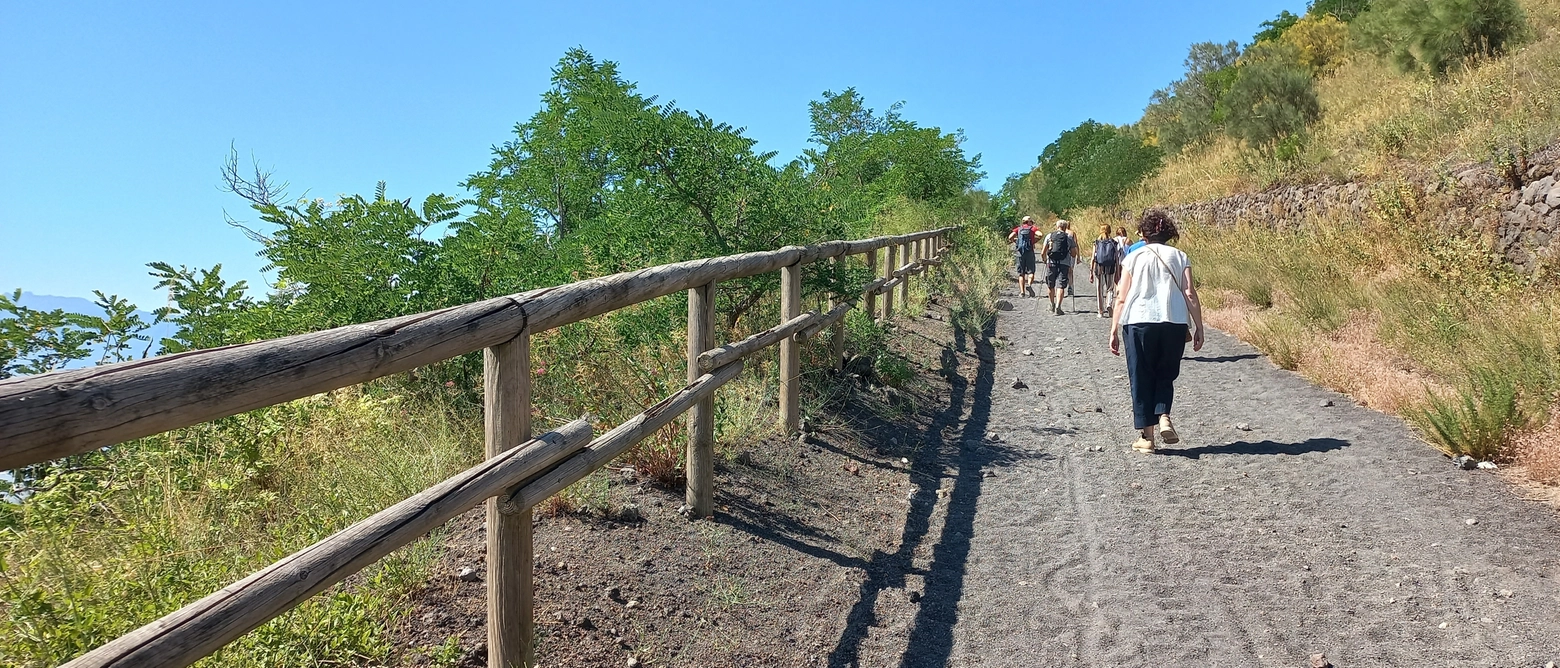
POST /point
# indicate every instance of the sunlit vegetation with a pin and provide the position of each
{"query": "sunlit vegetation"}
(602, 178)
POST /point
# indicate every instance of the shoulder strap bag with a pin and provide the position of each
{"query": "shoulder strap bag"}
(1178, 289)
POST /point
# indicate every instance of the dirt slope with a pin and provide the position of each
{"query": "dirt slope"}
(803, 565)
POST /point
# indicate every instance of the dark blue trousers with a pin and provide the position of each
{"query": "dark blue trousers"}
(1153, 362)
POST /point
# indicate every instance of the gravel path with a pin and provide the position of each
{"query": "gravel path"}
(1324, 528)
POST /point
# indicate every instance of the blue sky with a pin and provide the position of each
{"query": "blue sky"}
(115, 116)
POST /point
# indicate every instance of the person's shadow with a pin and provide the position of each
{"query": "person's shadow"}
(1259, 448)
(1225, 358)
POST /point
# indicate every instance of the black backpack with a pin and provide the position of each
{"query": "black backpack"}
(1061, 247)
(1025, 243)
(1105, 252)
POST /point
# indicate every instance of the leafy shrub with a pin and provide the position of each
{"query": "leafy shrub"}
(1092, 165)
(1344, 10)
(1187, 112)
(1478, 422)
(1273, 96)
(1437, 36)
(1322, 42)
(1275, 29)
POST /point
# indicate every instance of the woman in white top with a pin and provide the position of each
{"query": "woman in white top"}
(1156, 313)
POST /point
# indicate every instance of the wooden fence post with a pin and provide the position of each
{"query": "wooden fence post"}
(700, 495)
(837, 336)
(872, 265)
(904, 286)
(888, 296)
(790, 351)
(506, 424)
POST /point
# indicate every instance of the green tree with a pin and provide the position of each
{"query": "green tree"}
(1343, 10)
(34, 341)
(119, 328)
(864, 159)
(1093, 165)
(1274, 29)
(556, 173)
(1187, 111)
(1273, 97)
(1437, 36)
(1019, 197)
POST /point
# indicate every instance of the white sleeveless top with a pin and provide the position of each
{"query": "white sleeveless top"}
(1153, 295)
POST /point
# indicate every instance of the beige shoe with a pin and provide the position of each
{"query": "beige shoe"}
(1143, 445)
(1167, 431)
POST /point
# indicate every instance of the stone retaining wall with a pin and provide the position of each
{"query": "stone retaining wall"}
(1522, 223)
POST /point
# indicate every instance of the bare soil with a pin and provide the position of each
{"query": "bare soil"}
(817, 553)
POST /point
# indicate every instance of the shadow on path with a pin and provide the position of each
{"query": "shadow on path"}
(1260, 448)
(967, 453)
(931, 634)
(1222, 359)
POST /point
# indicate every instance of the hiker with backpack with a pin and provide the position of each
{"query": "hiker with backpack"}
(1157, 313)
(1072, 260)
(1058, 250)
(1104, 266)
(1023, 240)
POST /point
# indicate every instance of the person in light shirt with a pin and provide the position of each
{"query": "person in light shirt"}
(1157, 313)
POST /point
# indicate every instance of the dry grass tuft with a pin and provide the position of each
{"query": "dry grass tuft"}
(1537, 451)
(1351, 360)
(660, 457)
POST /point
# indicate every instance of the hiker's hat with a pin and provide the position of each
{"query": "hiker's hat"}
(1027, 219)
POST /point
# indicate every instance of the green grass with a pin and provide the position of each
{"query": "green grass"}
(146, 527)
(971, 278)
(163, 521)
(1478, 422)
(1443, 302)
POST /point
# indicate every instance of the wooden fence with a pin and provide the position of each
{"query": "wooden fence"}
(64, 413)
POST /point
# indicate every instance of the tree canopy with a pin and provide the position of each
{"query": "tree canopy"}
(600, 179)
(1093, 165)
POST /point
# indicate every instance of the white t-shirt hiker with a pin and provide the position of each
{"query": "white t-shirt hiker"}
(1153, 295)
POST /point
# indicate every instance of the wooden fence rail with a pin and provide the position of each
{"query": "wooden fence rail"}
(58, 414)
(69, 412)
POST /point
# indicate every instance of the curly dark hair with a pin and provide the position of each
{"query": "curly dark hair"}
(1157, 227)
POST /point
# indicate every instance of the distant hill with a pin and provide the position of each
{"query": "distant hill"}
(85, 307)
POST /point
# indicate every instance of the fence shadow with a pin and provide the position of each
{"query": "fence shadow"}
(931, 635)
(1260, 448)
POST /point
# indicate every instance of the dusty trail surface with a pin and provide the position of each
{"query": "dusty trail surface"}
(897, 534)
(1318, 526)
